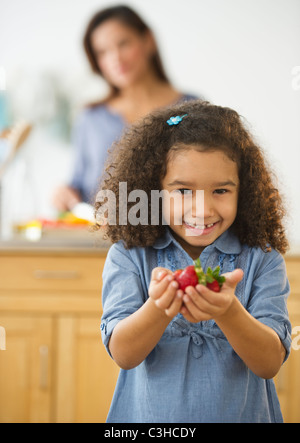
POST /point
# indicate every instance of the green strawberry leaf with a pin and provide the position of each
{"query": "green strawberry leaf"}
(197, 263)
(210, 274)
(216, 272)
(199, 271)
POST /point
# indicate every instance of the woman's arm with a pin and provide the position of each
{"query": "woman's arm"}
(134, 337)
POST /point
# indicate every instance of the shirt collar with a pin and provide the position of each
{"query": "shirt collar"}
(165, 240)
(228, 242)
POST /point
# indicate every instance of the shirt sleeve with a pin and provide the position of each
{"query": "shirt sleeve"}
(270, 291)
(122, 292)
(79, 162)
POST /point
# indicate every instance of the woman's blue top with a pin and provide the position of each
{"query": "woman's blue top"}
(95, 131)
(193, 375)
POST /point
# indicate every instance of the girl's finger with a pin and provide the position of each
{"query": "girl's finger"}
(208, 298)
(176, 305)
(197, 299)
(157, 288)
(233, 278)
(166, 298)
(159, 273)
(192, 313)
(187, 315)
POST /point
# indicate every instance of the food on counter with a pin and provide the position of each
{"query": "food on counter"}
(64, 220)
(65, 224)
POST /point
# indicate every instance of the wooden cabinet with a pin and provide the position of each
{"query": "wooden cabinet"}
(288, 379)
(54, 368)
(25, 368)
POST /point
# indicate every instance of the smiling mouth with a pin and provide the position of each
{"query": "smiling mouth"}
(199, 227)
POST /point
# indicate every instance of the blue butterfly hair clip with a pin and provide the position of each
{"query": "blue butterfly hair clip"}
(175, 120)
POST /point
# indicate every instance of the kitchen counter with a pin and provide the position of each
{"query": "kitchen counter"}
(60, 242)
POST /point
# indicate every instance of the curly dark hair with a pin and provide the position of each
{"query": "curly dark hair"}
(140, 159)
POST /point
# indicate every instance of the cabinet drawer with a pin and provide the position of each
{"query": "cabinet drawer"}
(51, 273)
(293, 267)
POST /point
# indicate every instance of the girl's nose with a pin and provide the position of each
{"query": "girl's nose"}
(202, 206)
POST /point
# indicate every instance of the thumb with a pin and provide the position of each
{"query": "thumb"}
(234, 277)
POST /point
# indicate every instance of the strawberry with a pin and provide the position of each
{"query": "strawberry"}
(194, 275)
(177, 273)
(214, 286)
(186, 277)
(214, 280)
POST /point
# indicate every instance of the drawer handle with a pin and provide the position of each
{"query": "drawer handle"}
(56, 275)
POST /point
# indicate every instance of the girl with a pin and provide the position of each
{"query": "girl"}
(197, 356)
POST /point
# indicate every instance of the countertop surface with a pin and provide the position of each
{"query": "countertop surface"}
(81, 242)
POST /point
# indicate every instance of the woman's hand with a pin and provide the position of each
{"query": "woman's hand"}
(65, 198)
(163, 290)
(201, 304)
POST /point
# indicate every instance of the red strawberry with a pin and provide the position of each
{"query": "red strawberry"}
(214, 286)
(192, 275)
(214, 280)
(177, 273)
(186, 277)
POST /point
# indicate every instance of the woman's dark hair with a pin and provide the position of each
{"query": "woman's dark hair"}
(129, 18)
(141, 156)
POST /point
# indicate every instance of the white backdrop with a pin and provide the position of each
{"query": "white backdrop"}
(238, 53)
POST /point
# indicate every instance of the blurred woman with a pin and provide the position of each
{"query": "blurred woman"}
(121, 48)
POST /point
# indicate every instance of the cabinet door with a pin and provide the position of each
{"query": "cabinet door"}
(25, 377)
(86, 375)
(288, 380)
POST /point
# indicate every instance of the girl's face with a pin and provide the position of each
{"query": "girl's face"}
(122, 53)
(203, 220)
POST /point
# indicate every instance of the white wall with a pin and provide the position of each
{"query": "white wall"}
(237, 53)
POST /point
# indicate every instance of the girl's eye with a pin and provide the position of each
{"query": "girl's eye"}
(184, 191)
(220, 191)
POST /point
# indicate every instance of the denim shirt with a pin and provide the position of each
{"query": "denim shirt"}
(193, 375)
